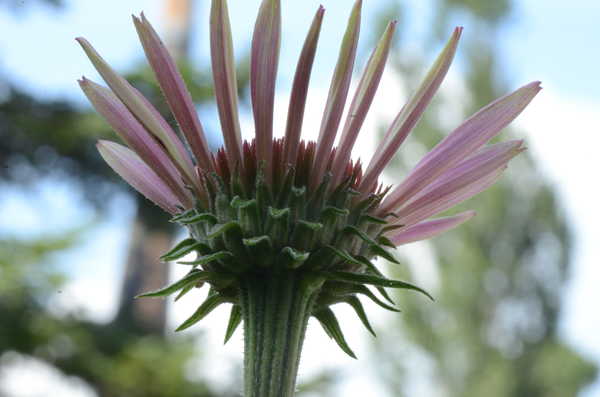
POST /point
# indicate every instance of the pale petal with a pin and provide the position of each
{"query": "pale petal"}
(300, 89)
(467, 138)
(410, 113)
(129, 96)
(459, 183)
(338, 93)
(430, 228)
(175, 91)
(361, 102)
(134, 134)
(225, 80)
(450, 200)
(137, 173)
(263, 73)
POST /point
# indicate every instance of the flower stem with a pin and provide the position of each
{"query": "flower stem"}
(276, 307)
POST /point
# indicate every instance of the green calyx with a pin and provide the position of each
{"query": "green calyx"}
(254, 230)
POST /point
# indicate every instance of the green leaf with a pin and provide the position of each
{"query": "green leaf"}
(202, 260)
(360, 312)
(356, 278)
(181, 249)
(235, 318)
(331, 325)
(191, 278)
(205, 308)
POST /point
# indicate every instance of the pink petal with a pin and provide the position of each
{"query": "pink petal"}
(263, 73)
(131, 168)
(175, 91)
(300, 89)
(338, 92)
(410, 113)
(459, 183)
(139, 107)
(430, 228)
(225, 80)
(135, 135)
(467, 138)
(361, 102)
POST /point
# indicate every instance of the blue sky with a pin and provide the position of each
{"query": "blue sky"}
(553, 41)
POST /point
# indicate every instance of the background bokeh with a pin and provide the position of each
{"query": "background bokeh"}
(516, 288)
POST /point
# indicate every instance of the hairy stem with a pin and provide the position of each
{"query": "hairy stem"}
(276, 307)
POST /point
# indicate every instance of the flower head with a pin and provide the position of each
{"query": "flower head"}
(273, 205)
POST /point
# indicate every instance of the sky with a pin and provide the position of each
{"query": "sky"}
(553, 41)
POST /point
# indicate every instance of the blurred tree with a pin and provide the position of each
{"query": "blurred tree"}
(110, 358)
(498, 279)
(40, 137)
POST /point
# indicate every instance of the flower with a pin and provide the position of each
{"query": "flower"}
(282, 205)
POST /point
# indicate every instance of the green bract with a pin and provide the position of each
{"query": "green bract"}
(249, 228)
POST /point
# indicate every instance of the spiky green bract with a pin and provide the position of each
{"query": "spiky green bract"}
(254, 230)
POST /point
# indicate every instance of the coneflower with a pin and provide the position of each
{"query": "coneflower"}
(282, 228)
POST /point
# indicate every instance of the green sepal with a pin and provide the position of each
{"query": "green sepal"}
(258, 241)
(356, 278)
(203, 310)
(277, 223)
(334, 211)
(315, 203)
(184, 291)
(363, 289)
(260, 249)
(235, 318)
(203, 260)
(205, 217)
(297, 202)
(248, 214)
(360, 312)
(292, 258)
(305, 234)
(192, 277)
(332, 217)
(373, 245)
(391, 227)
(385, 241)
(283, 196)
(371, 268)
(344, 255)
(332, 327)
(181, 249)
(262, 191)
(186, 214)
(222, 228)
(313, 226)
(373, 219)
(222, 204)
